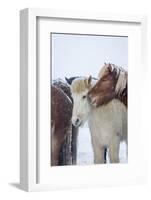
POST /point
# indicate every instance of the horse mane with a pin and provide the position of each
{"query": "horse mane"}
(81, 84)
(121, 82)
(120, 74)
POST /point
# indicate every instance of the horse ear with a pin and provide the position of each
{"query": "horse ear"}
(110, 67)
(89, 80)
(67, 79)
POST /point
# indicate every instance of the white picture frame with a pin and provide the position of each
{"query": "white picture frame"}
(29, 114)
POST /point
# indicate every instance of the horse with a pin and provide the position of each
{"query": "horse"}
(68, 152)
(61, 126)
(107, 123)
(69, 82)
(112, 84)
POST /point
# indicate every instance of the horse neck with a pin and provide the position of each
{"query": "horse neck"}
(99, 117)
(105, 113)
(97, 113)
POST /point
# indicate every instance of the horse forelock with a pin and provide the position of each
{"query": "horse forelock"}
(109, 69)
(79, 85)
(102, 71)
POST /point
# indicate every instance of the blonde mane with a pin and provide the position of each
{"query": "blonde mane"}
(122, 80)
(81, 84)
(121, 83)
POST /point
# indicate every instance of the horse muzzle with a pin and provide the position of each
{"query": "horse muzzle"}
(76, 122)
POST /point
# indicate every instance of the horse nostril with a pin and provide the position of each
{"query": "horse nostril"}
(77, 121)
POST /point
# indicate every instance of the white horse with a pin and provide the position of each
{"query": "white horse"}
(107, 123)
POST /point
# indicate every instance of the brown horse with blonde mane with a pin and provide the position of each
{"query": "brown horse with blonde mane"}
(112, 84)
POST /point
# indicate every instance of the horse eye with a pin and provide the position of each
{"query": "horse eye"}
(84, 97)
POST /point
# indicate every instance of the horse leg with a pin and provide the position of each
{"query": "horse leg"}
(114, 150)
(105, 154)
(74, 144)
(55, 157)
(98, 154)
(55, 150)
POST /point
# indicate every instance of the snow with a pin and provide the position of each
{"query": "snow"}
(85, 152)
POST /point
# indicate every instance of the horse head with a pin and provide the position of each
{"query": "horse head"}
(112, 81)
(81, 106)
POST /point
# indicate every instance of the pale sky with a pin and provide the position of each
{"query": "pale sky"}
(84, 55)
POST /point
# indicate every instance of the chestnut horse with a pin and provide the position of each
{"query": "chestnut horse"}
(112, 84)
(107, 123)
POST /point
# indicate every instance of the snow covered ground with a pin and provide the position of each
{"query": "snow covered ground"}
(85, 151)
